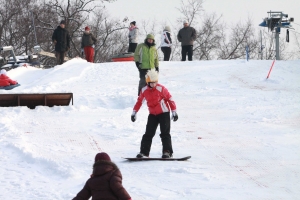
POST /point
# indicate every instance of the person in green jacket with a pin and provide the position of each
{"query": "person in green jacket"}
(146, 58)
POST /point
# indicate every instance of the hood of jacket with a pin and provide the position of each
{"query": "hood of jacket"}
(102, 167)
(3, 76)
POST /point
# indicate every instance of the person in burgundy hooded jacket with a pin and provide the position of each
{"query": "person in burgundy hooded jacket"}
(105, 182)
(5, 80)
(160, 103)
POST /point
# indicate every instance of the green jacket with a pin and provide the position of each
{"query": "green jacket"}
(148, 57)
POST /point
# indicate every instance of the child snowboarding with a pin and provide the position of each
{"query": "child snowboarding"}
(160, 103)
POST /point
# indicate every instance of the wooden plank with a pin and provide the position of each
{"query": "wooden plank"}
(52, 55)
(36, 99)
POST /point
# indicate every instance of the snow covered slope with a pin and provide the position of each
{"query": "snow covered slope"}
(241, 129)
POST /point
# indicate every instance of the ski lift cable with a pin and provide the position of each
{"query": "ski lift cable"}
(296, 23)
(294, 31)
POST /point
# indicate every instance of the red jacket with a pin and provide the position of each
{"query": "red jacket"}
(159, 100)
(6, 81)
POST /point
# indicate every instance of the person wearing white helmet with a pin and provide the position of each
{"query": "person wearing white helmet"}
(160, 103)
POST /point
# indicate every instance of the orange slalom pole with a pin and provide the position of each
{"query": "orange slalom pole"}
(271, 68)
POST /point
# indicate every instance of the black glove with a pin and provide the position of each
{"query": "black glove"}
(138, 65)
(157, 69)
(174, 116)
(133, 116)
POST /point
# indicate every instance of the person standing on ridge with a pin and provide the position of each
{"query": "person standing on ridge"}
(146, 57)
(160, 103)
(166, 43)
(88, 42)
(61, 40)
(133, 36)
(187, 36)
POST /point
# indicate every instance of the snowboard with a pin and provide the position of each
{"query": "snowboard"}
(10, 87)
(160, 159)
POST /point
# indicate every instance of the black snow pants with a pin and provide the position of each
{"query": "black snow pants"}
(142, 81)
(132, 47)
(187, 49)
(167, 53)
(153, 120)
(60, 57)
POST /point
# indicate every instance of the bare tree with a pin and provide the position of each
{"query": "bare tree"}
(269, 52)
(209, 36)
(111, 35)
(78, 14)
(147, 27)
(191, 10)
(269, 45)
(297, 39)
(15, 23)
(241, 35)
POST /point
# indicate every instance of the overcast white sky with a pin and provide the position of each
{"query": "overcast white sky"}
(232, 10)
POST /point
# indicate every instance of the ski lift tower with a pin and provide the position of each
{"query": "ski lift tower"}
(276, 21)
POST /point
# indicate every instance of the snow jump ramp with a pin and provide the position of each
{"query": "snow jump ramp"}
(31, 100)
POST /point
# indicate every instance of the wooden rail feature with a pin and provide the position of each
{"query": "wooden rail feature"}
(31, 100)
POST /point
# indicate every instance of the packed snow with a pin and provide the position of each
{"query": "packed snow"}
(241, 130)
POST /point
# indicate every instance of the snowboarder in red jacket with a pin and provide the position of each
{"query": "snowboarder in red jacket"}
(160, 103)
(5, 80)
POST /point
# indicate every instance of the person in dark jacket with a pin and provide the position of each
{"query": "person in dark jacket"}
(88, 43)
(187, 36)
(61, 40)
(105, 182)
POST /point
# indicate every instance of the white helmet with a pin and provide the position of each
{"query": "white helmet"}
(151, 76)
(3, 71)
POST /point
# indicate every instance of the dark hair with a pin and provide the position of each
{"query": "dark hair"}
(133, 23)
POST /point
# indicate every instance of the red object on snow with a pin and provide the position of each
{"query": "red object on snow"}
(123, 57)
(271, 68)
(6, 81)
